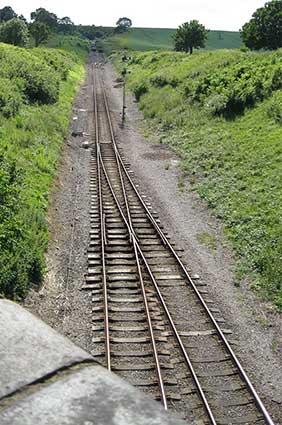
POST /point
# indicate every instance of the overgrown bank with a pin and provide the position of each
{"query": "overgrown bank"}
(37, 90)
(222, 111)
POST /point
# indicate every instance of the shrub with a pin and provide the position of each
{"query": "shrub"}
(35, 78)
(10, 98)
(41, 85)
(274, 109)
(216, 104)
(229, 91)
(277, 79)
(139, 90)
(162, 81)
(14, 32)
(59, 61)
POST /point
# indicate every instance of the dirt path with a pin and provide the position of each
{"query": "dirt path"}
(256, 328)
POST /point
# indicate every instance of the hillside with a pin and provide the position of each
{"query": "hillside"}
(37, 88)
(161, 39)
(222, 112)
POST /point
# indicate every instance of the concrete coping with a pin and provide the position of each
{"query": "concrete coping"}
(45, 379)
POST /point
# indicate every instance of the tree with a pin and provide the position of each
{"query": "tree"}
(123, 24)
(92, 32)
(14, 32)
(39, 31)
(264, 30)
(6, 14)
(65, 25)
(22, 18)
(42, 15)
(190, 35)
(65, 21)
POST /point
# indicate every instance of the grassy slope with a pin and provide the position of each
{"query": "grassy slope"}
(30, 143)
(161, 39)
(234, 164)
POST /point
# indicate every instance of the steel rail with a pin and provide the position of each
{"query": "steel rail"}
(186, 356)
(233, 356)
(102, 229)
(220, 333)
(118, 164)
(133, 239)
(137, 246)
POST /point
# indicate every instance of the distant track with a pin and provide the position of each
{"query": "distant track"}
(151, 323)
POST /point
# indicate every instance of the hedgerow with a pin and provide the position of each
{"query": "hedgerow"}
(11, 99)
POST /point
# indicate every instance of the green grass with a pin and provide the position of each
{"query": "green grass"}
(222, 112)
(69, 43)
(31, 135)
(145, 39)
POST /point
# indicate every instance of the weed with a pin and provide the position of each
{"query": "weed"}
(276, 344)
(263, 321)
(207, 239)
(181, 184)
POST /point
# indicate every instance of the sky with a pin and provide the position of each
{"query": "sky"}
(228, 15)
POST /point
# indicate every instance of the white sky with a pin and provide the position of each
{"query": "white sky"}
(214, 14)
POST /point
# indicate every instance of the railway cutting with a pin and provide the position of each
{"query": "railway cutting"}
(153, 324)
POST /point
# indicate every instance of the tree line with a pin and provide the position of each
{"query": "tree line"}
(263, 31)
(14, 29)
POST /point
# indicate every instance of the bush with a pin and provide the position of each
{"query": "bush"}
(59, 61)
(10, 98)
(162, 81)
(34, 77)
(216, 104)
(14, 32)
(229, 91)
(274, 109)
(139, 90)
(40, 84)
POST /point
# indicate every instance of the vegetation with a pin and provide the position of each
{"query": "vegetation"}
(92, 32)
(72, 44)
(145, 39)
(222, 111)
(14, 31)
(190, 35)
(39, 31)
(123, 24)
(264, 30)
(42, 15)
(37, 87)
(6, 14)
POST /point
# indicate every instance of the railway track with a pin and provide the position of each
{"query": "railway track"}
(152, 324)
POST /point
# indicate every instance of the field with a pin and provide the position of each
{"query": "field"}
(145, 39)
(221, 111)
(37, 87)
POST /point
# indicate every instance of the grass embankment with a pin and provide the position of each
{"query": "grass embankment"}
(37, 90)
(145, 39)
(222, 111)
